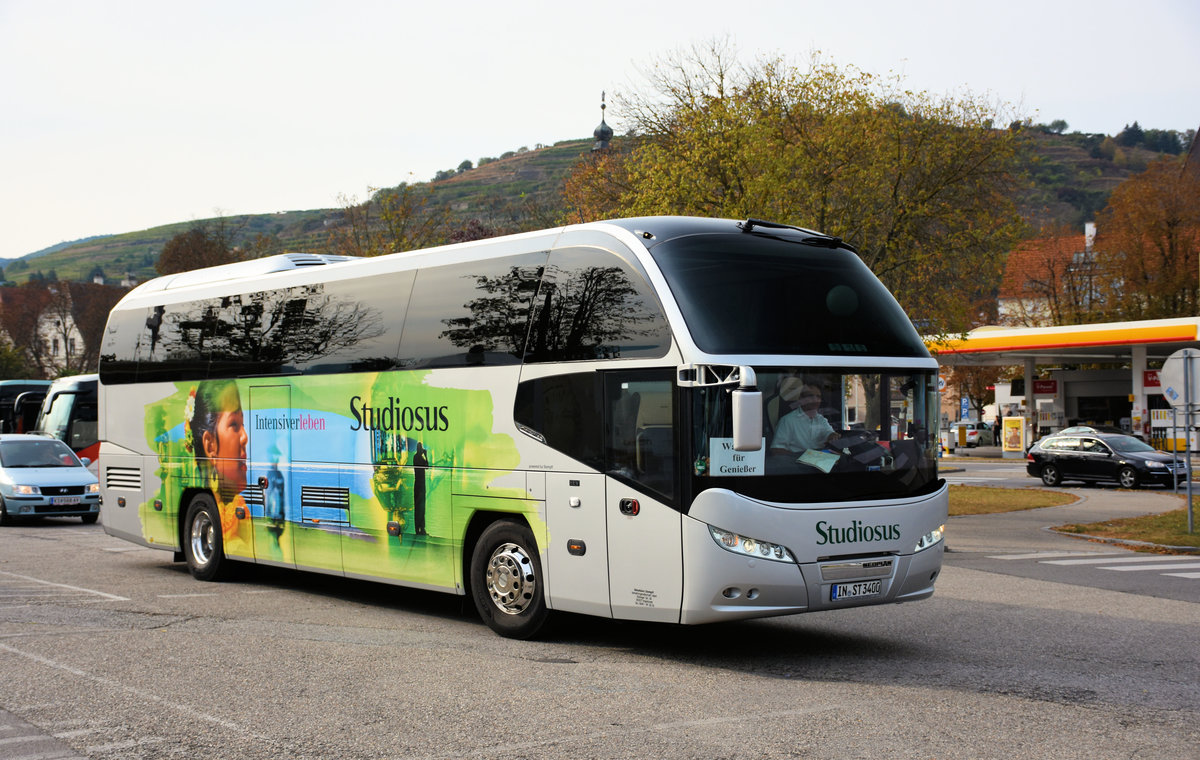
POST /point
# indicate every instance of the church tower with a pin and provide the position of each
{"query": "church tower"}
(602, 133)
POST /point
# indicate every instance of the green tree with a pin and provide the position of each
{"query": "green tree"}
(13, 365)
(923, 187)
(1131, 136)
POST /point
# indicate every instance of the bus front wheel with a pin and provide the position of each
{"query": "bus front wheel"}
(507, 582)
(202, 545)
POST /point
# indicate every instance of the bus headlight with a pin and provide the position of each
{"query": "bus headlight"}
(930, 539)
(750, 547)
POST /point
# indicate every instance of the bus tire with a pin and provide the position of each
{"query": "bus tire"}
(203, 547)
(507, 582)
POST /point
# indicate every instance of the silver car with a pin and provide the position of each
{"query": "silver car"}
(41, 477)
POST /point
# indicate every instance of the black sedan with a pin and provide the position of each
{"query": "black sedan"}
(1122, 459)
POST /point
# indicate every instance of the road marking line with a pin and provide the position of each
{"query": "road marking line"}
(183, 596)
(1048, 555)
(21, 739)
(1135, 568)
(79, 732)
(187, 710)
(1110, 560)
(127, 744)
(1183, 575)
(110, 597)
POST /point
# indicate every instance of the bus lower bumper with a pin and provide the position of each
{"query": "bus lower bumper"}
(721, 585)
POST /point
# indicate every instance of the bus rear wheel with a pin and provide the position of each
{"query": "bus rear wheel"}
(507, 584)
(203, 547)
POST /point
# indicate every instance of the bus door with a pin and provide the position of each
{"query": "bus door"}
(268, 475)
(645, 540)
(577, 572)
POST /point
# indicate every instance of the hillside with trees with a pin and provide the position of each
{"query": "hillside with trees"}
(1070, 179)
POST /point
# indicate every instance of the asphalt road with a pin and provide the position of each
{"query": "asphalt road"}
(108, 650)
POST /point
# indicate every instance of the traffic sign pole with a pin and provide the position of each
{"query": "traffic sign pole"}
(1188, 356)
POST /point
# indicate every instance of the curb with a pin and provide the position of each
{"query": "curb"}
(1126, 542)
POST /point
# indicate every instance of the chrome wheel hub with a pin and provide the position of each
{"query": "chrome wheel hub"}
(203, 538)
(511, 582)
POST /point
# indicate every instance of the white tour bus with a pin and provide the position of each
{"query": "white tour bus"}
(669, 419)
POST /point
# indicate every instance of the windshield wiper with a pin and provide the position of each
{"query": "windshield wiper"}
(814, 238)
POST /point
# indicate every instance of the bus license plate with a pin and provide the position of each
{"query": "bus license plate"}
(63, 501)
(856, 590)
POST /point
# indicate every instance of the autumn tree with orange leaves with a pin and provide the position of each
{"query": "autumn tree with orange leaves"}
(1148, 246)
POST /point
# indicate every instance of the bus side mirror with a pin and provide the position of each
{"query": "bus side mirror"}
(747, 413)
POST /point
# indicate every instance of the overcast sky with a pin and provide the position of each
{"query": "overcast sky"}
(118, 116)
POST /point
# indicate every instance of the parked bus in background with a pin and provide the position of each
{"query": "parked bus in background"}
(667, 419)
(20, 401)
(70, 413)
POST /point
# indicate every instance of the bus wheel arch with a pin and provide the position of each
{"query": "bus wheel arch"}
(200, 537)
(505, 577)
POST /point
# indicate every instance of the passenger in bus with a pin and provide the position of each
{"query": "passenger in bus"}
(214, 433)
(802, 428)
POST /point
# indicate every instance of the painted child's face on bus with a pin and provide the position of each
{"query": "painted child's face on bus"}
(225, 446)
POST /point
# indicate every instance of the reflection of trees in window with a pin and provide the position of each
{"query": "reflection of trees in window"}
(579, 313)
(498, 320)
(268, 332)
(593, 312)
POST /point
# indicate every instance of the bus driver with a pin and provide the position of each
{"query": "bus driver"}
(802, 428)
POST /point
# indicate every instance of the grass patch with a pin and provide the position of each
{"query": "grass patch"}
(1167, 529)
(979, 500)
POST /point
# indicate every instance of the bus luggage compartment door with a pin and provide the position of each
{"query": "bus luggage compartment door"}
(577, 575)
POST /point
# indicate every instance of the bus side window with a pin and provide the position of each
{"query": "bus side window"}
(468, 315)
(591, 304)
(565, 410)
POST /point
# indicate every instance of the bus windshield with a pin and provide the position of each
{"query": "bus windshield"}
(751, 294)
(828, 435)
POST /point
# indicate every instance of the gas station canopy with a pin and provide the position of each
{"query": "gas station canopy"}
(1070, 344)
